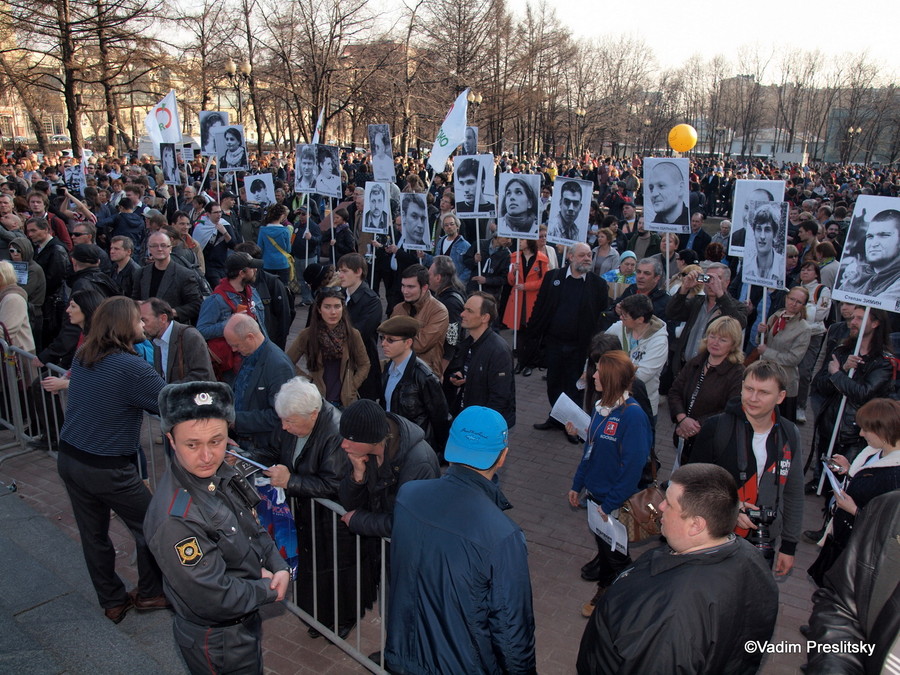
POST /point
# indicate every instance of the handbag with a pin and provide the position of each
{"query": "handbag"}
(640, 513)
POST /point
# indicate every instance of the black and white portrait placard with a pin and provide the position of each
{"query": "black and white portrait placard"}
(414, 221)
(746, 191)
(209, 120)
(473, 186)
(169, 163)
(377, 210)
(380, 152)
(328, 178)
(470, 145)
(765, 243)
(306, 168)
(231, 150)
(569, 211)
(260, 189)
(870, 262)
(666, 194)
(518, 205)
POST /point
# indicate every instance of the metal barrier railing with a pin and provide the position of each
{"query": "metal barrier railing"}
(33, 414)
(354, 649)
(28, 411)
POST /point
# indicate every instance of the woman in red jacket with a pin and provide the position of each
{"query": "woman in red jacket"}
(527, 268)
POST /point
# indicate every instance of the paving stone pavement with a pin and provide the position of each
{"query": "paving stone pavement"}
(536, 479)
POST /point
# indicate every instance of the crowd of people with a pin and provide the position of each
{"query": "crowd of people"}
(179, 300)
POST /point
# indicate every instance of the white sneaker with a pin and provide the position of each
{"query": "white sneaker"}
(801, 417)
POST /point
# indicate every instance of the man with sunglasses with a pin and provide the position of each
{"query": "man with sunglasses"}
(408, 387)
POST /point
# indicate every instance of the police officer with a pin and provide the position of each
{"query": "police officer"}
(218, 564)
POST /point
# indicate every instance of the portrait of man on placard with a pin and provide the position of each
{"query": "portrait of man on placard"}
(380, 152)
(870, 263)
(666, 195)
(746, 191)
(414, 221)
(209, 120)
(765, 244)
(569, 211)
(471, 189)
(328, 180)
(518, 207)
(260, 189)
(169, 164)
(377, 213)
(470, 145)
(305, 168)
(231, 154)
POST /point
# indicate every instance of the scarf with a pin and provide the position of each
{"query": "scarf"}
(332, 341)
(522, 223)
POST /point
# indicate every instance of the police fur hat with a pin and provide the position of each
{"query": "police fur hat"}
(195, 401)
(400, 326)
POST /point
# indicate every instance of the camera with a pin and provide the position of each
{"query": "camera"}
(761, 537)
(703, 278)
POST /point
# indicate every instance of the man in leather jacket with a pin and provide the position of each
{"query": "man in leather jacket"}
(692, 605)
(408, 387)
(860, 601)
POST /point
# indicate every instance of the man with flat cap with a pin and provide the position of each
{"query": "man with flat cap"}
(456, 556)
(219, 566)
(408, 386)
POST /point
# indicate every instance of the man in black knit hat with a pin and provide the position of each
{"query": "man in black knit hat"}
(385, 451)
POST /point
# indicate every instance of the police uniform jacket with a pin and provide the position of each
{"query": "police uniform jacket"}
(206, 539)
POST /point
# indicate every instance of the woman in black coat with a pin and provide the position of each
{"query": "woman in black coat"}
(311, 465)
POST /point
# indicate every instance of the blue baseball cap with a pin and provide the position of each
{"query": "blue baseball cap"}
(477, 438)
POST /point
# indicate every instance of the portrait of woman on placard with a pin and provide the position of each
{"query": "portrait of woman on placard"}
(328, 182)
(208, 121)
(518, 210)
(233, 155)
(169, 163)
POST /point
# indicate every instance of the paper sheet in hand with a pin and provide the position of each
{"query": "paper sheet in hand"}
(610, 530)
(835, 483)
(565, 410)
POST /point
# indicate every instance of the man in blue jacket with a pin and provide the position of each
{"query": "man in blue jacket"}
(460, 591)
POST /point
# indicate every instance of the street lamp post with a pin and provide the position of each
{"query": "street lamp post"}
(235, 77)
(580, 114)
(851, 133)
(475, 102)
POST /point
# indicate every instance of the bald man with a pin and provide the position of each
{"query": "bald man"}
(667, 194)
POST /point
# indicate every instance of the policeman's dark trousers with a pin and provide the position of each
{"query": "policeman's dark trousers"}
(232, 649)
(93, 491)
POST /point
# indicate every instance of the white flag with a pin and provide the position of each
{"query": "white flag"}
(452, 133)
(162, 122)
(319, 125)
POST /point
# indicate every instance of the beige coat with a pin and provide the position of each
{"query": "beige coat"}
(788, 348)
(350, 379)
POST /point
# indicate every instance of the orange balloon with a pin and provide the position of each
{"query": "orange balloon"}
(682, 137)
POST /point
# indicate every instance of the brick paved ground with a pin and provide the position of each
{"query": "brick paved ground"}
(535, 479)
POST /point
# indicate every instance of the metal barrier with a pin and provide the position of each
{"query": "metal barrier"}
(28, 411)
(354, 649)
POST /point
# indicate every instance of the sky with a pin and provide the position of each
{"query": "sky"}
(676, 31)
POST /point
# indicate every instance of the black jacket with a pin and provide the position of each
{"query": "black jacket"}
(419, 398)
(689, 613)
(494, 267)
(489, 379)
(127, 278)
(586, 323)
(872, 379)
(366, 312)
(92, 279)
(657, 296)
(54, 259)
(406, 457)
(859, 602)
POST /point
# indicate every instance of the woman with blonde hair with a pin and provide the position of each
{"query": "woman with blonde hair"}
(706, 383)
(14, 325)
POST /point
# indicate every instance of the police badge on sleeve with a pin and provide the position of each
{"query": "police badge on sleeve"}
(188, 550)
